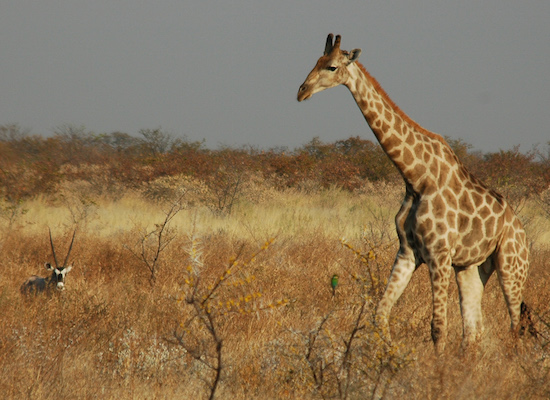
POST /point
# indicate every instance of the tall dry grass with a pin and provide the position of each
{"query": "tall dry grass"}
(115, 334)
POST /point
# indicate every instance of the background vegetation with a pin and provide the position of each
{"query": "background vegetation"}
(201, 273)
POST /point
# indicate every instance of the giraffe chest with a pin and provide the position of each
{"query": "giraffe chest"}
(435, 229)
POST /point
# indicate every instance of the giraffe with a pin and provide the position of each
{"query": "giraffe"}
(448, 219)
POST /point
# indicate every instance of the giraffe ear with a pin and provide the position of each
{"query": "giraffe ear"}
(354, 55)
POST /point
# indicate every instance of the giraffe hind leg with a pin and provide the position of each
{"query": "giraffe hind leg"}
(512, 286)
(470, 288)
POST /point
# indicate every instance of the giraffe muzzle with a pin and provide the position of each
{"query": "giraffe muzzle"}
(303, 93)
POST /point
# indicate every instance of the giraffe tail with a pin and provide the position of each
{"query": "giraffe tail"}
(526, 321)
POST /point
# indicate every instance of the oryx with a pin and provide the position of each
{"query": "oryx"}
(36, 284)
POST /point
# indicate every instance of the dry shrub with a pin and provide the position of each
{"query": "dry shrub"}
(110, 333)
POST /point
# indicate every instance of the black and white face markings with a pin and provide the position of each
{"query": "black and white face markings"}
(58, 275)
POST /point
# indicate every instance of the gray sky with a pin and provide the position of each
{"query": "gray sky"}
(229, 71)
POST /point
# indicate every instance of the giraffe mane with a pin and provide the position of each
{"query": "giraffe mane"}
(396, 108)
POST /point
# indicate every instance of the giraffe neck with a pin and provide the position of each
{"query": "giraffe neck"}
(416, 152)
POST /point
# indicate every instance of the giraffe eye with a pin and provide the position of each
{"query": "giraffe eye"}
(332, 68)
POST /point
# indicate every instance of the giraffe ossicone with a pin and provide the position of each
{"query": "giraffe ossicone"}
(448, 219)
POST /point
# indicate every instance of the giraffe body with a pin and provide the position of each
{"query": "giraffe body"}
(448, 219)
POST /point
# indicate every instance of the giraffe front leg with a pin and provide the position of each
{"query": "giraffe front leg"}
(440, 275)
(401, 274)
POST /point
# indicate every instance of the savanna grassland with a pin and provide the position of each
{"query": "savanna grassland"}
(206, 273)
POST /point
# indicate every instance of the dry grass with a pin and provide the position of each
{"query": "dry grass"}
(111, 333)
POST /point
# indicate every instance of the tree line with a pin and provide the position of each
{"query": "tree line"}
(31, 165)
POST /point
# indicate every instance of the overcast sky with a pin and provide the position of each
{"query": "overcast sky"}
(229, 71)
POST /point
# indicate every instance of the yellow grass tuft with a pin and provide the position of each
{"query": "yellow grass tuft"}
(111, 334)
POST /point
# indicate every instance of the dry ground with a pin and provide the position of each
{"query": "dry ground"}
(116, 333)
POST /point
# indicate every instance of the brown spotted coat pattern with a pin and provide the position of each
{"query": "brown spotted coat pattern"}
(448, 219)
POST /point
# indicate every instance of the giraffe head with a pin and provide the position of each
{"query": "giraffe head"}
(331, 69)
